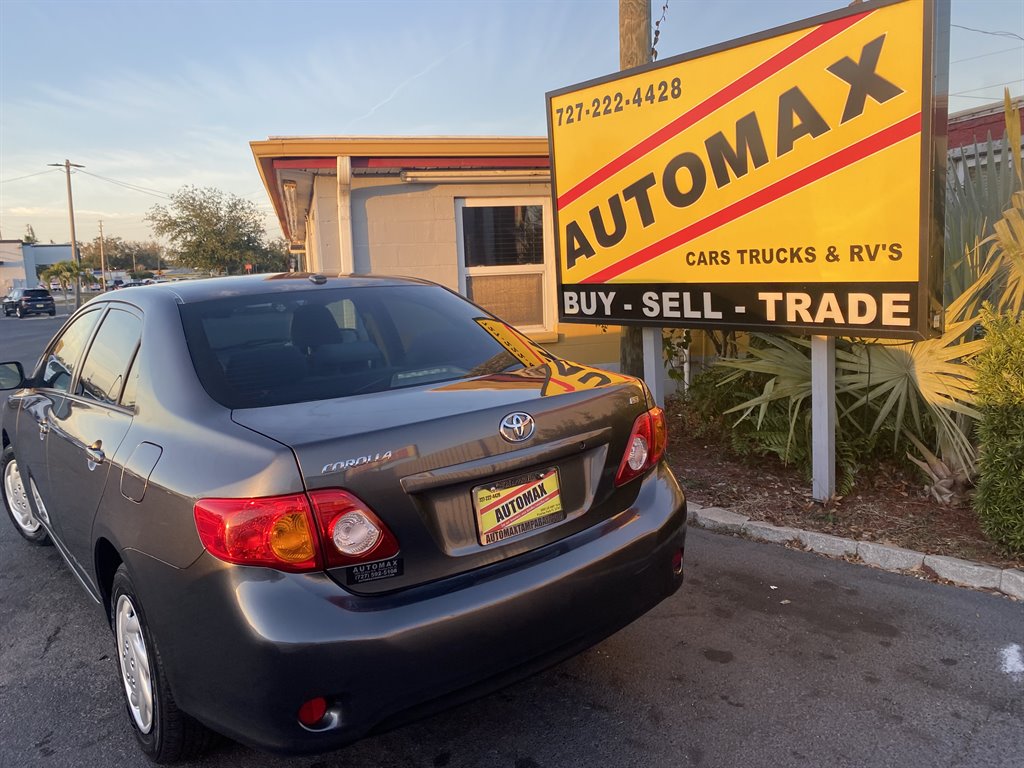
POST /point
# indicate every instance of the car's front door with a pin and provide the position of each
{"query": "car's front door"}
(51, 381)
(88, 426)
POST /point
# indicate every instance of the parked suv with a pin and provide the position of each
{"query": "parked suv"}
(29, 301)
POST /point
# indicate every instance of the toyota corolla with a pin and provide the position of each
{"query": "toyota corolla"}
(313, 508)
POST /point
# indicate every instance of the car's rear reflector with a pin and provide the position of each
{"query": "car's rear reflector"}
(312, 712)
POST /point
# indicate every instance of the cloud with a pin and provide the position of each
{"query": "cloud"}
(398, 88)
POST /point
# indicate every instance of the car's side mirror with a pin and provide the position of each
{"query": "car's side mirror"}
(12, 375)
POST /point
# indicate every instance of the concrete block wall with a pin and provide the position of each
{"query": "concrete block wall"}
(410, 230)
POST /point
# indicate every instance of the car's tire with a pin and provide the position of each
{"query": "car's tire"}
(53, 312)
(16, 500)
(165, 733)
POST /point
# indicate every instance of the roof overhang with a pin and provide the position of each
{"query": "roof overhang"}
(288, 165)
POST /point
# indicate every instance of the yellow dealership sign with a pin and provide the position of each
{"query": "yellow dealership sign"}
(789, 180)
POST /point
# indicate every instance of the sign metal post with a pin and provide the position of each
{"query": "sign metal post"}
(823, 417)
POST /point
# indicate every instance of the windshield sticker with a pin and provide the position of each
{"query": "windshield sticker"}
(560, 375)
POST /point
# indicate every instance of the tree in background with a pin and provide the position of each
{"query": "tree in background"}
(123, 254)
(30, 235)
(65, 273)
(214, 231)
(277, 257)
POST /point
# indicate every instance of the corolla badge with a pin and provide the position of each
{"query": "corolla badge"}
(517, 427)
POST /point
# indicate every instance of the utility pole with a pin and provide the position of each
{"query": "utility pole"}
(103, 263)
(634, 50)
(67, 165)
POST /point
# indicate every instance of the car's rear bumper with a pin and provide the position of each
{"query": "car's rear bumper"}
(247, 646)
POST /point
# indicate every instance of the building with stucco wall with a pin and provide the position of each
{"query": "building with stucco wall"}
(20, 262)
(12, 267)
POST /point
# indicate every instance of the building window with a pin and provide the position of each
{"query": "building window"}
(505, 262)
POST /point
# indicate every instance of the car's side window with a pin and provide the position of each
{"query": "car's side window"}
(131, 384)
(62, 360)
(105, 368)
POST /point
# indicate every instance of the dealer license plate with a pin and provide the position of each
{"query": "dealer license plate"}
(515, 506)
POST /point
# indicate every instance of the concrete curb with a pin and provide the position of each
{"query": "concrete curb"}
(963, 573)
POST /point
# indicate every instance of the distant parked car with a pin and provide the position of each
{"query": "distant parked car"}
(29, 301)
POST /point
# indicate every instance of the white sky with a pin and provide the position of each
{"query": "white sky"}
(159, 94)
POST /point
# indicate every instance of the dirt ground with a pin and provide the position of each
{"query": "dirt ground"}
(888, 504)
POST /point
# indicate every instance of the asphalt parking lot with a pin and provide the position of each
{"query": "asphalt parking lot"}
(765, 657)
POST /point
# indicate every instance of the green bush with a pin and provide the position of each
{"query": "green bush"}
(999, 501)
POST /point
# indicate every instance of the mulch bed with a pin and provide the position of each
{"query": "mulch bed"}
(888, 504)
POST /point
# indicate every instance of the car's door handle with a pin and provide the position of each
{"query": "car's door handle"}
(94, 453)
(44, 428)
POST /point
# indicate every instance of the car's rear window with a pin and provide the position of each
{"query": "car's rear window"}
(252, 351)
(37, 293)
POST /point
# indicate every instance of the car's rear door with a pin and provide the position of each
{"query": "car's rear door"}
(88, 426)
(36, 405)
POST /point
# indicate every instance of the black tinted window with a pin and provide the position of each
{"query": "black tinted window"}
(37, 293)
(106, 365)
(313, 345)
(503, 235)
(62, 361)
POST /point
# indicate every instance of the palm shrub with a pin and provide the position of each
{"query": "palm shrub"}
(973, 206)
(771, 405)
(999, 501)
(66, 273)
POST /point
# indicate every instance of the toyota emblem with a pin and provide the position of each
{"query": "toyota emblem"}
(517, 427)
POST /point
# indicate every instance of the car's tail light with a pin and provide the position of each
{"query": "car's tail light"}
(350, 531)
(277, 531)
(645, 447)
(282, 531)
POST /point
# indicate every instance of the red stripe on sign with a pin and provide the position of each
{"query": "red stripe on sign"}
(522, 489)
(757, 75)
(819, 170)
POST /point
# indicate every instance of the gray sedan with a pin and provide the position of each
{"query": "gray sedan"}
(313, 509)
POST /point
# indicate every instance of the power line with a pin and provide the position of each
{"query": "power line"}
(27, 176)
(129, 185)
(980, 98)
(998, 33)
(983, 87)
(990, 53)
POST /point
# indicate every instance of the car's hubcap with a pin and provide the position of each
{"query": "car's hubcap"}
(134, 660)
(17, 499)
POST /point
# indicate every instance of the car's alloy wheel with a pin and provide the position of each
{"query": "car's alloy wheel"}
(19, 508)
(165, 733)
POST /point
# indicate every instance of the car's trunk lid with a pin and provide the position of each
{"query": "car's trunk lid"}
(419, 456)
